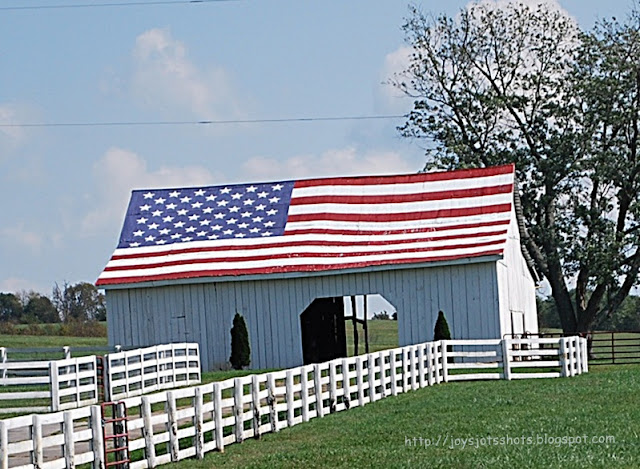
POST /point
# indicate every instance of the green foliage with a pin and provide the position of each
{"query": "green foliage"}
(10, 307)
(40, 309)
(382, 315)
(240, 348)
(80, 302)
(441, 330)
(523, 85)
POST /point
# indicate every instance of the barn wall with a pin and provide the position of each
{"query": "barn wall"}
(516, 285)
(467, 293)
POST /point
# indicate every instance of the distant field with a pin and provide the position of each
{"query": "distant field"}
(383, 335)
(498, 415)
(29, 341)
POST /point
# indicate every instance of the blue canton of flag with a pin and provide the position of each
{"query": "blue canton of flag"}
(166, 216)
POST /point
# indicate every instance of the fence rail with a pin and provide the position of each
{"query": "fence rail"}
(605, 347)
(149, 369)
(173, 425)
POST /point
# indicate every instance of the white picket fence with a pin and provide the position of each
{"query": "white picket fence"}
(145, 370)
(173, 425)
(54, 385)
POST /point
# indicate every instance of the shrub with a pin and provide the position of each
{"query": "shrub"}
(441, 330)
(240, 349)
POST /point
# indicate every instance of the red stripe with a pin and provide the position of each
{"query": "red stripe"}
(300, 231)
(404, 216)
(284, 256)
(408, 178)
(241, 247)
(285, 269)
(400, 198)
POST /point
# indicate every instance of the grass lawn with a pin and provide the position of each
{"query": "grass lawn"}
(604, 402)
(33, 341)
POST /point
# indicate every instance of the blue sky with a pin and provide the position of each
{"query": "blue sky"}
(64, 190)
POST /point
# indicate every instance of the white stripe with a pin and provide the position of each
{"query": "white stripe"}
(396, 225)
(301, 238)
(284, 251)
(277, 262)
(407, 188)
(404, 207)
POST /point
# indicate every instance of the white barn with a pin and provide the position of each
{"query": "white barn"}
(285, 254)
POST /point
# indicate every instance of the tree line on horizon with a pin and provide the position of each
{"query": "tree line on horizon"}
(72, 303)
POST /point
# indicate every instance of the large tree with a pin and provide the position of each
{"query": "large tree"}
(523, 85)
(79, 302)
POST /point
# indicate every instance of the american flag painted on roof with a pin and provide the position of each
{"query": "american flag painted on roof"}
(312, 225)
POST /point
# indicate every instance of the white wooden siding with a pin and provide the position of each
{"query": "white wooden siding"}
(466, 292)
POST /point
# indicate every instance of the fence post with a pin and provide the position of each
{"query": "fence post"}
(585, 355)
(304, 393)
(430, 367)
(383, 373)
(273, 403)
(445, 360)
(36, 437)
(317, 389)
(290, 400)
(346, 398)
(173, 425)
(506, 358)
(4, 450)
(360, 380)
(3, 360)
(238, 409)
(333, 400)
(54, 382)
(563, 358)
(421, 379)
(437, 359)
(371, 366)
(199, 421)
(393, 370)
(255, 404)
(97, 438)
(414, 367)
(69, 446)
(149, 447)
(217, 416)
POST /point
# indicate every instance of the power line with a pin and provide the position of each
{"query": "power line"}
(198, 122)
(117, 4)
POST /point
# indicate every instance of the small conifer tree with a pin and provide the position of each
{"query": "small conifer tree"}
(240, 348)
(441, 331)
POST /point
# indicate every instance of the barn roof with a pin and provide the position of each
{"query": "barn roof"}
(313, 225)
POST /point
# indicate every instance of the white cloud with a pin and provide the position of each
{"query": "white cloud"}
(388, 97)
(11, 114)
(338, 162)
(118, 172)
(165, 78)
(18, 235)
(16, 285)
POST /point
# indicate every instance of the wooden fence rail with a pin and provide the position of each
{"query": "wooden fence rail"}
(173, 425)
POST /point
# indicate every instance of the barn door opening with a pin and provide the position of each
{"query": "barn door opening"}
(323, 331)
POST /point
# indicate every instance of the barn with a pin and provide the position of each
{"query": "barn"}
(288, 255)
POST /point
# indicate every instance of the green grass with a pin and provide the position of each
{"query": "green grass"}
(34, 341)
(603, 402)
(382, 335)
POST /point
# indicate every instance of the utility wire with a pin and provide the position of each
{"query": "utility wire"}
(199, 122)
(117, 4)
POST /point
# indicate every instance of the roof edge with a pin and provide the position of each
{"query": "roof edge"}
(292, 275)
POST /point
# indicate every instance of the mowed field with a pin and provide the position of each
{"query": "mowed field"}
(592, 420)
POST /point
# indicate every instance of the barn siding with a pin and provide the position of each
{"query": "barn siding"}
(515, 284)
(466, 293)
